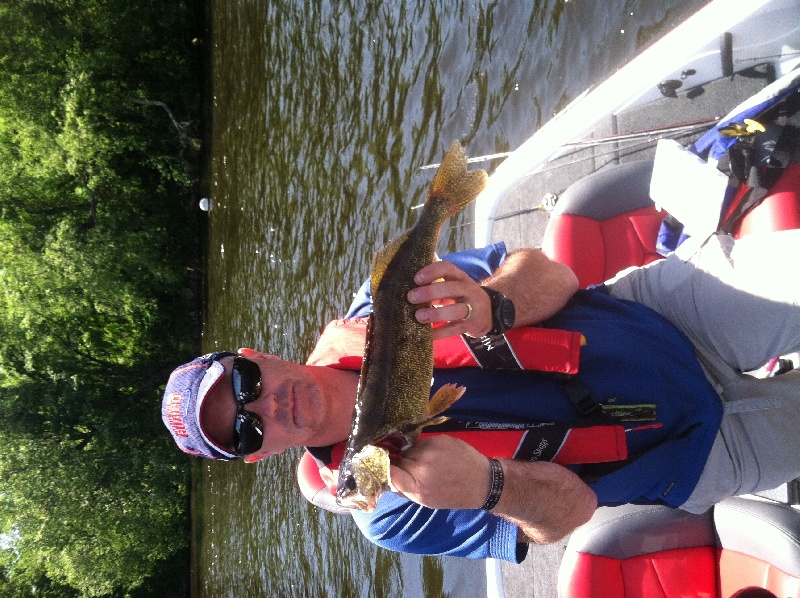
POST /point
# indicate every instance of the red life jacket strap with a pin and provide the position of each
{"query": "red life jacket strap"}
(567, 443)
(562, 443)
(341, 345)
(540, 349)
(574, 443)
(559, 444)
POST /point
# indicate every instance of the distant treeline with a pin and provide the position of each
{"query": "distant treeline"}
(99, 103)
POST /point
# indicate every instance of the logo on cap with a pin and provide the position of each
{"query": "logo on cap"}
(174, 417)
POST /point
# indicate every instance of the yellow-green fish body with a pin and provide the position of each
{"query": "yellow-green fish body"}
(394, 402)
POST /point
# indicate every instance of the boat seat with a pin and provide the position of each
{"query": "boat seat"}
(657, 552)
(607, 222)
(779, 210)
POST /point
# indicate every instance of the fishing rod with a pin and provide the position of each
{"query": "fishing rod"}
(618, 153)
(643, 134)
(639, 138)
(757, 59)
(485, 158)
(593, 141)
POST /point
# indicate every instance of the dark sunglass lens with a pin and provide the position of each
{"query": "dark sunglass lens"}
(247, 434)
(246, 378)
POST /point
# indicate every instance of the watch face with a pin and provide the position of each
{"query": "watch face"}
(503, 313)
(506, 313)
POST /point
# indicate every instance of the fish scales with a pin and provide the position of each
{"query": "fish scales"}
(393, 401)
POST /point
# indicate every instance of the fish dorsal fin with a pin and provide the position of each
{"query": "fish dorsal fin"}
(382, 258)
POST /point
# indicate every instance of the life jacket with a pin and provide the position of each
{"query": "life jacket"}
(643, 370)
(593, 438)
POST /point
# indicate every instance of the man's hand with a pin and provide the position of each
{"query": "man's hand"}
(458, 301)
(442, 472)
(538, 286)
(546, 501)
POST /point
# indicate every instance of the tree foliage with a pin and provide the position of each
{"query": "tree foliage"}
(94, 192)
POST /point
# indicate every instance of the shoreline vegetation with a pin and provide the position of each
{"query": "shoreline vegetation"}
(101, 128)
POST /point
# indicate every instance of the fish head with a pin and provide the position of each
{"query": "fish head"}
(363, 478)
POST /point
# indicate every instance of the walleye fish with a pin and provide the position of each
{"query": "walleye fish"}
(394, 402)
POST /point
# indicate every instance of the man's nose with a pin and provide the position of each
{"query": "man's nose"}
(265, 405)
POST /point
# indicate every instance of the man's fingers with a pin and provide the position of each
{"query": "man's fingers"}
(440, 269)
(445, 313)
(448, 289)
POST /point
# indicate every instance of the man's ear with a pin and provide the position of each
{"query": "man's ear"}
(329, 477)
(252, 353)
(260, 455)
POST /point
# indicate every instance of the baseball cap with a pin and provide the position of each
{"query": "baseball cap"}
(186, 389)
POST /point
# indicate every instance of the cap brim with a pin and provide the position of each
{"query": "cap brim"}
(214, 373)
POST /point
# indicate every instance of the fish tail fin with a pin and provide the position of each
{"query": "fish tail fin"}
(442, 399)
(454, 183)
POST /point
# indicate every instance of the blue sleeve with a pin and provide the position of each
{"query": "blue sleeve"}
(477, 263)
(404, 526)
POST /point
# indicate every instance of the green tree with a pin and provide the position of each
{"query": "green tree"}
(96, 180)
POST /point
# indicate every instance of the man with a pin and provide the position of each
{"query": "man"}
(671, 340)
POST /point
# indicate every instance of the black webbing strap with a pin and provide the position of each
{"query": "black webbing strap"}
(751, 199)
(581, 397)
(492, 352)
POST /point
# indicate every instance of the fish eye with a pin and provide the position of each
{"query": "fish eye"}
(350, 482)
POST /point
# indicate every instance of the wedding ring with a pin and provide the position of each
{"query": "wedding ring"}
(469, 311)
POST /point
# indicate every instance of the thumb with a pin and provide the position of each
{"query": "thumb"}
(399, 479)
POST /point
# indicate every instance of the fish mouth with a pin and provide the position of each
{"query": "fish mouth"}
(356, 500)
(352, 498)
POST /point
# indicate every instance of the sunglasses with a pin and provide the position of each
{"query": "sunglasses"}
(248, 430)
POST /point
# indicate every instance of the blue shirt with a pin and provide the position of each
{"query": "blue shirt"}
(632, 356)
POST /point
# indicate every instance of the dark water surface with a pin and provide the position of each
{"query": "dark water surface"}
(322, 114)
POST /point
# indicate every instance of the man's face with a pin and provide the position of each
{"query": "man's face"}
(291, 406)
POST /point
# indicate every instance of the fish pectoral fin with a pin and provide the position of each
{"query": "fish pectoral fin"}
(442, 399)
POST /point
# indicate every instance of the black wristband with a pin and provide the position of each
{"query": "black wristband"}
(497, 486)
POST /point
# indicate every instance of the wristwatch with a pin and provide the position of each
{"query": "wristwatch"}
(502, 312)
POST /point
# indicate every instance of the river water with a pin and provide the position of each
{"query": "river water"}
(322, 114)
